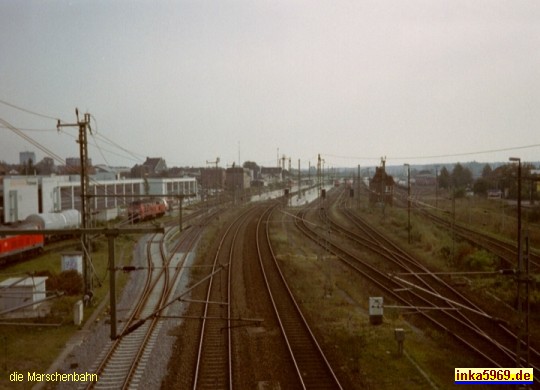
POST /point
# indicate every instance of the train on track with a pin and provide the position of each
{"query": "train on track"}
(145, 209)
(18, 246)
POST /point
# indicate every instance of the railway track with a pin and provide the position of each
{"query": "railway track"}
(476, 329)
(227, 353)
(214, 361)
(312, 367)
(124, 360)
(504, 249)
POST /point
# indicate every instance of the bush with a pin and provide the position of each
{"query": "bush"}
(463, 251)
(455, 254)
(69, 282)
(446, 253)
(480, 260)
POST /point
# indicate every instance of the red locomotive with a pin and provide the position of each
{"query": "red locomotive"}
(22, 246)
(145, 209)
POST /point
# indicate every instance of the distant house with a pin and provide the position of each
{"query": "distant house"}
(73, 166)
(151, 167)
(271, 175)
(104, 172)
(213, 178)
(381, 187)
(156, 165)
(76, 162)
(237, 178)
(46, 166)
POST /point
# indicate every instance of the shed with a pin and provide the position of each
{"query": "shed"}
(22, 292)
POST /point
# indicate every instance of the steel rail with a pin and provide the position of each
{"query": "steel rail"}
(504, 249)
(312, 367)
(380, 244)
(211, 371)
(116, 376)
(471, 325)
(380, 238)
(121, 361)
(390, 286)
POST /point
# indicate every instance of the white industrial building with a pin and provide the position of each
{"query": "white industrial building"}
(21, 196)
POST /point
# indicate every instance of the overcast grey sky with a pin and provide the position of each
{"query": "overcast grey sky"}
(353, 80)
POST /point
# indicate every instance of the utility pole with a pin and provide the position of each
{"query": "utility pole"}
(83, 126)
(408, 202)
(358, 184)
(299, 178)
(522, 278)
(436, 186)
(383, 185)
(319, 176)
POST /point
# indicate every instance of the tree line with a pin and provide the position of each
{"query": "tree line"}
(503, 178)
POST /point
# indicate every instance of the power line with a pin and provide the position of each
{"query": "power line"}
(437, 156)
(27, 129)
(473, 153)
(94, 144)
(27, 110)
(137, 156)
(11, 127)
(99, 150)
(32, 141)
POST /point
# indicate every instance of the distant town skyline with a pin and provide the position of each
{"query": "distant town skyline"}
(416, 82)
(73, 161)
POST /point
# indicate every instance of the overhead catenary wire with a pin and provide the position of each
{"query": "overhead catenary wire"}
(10, 126)
(43, 130)
(136, 156)
(32, 141)
(136, 159)
(28, 111)
(436, 156)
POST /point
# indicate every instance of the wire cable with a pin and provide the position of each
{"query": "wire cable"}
(32, 141)
(28, 111)
(437, 156)
(27, 129)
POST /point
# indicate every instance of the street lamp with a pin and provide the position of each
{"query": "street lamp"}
(408, 201)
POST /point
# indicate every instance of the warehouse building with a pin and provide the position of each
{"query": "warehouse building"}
(22, 196)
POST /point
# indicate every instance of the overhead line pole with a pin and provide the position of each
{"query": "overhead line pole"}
(299, 179)
(408, 202)
(83, 125)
